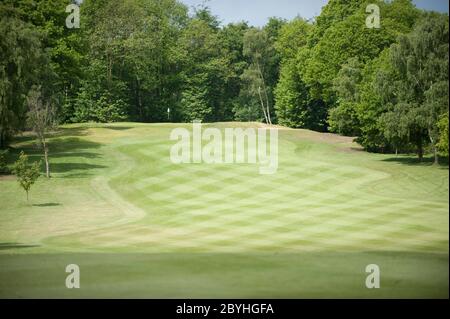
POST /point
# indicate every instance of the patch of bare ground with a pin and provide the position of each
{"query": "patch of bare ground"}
(345, 143)
(7, 177)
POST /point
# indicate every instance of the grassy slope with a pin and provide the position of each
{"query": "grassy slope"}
(140, 226)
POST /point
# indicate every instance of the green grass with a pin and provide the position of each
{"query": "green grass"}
(140, 226)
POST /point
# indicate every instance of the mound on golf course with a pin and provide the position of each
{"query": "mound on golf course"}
(139, 226)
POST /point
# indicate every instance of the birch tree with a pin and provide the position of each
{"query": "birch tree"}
(258, 50)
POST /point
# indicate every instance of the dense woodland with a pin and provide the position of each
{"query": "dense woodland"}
(134, 60)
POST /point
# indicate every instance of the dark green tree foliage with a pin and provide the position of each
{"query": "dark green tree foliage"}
(135, 60)
(339, 34)
(291, 94)
(65, 47)
(236, 106)
(3, 162)
(420, 85)
(23, 62)
(343, 118)
(150, 61)
(207, 73)
(158, 60)
(372, 105)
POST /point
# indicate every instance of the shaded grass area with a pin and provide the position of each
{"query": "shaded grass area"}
(303, 275)
(414, 161)
(9, 246)
(68, 151)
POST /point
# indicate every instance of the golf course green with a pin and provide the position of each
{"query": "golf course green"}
(140, 226)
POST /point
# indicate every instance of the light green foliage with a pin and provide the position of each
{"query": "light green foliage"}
(339, 35)
(436, 106)
(343, 40)
(333, 12)
(292, 37)
(291, 94)
(26, 174)
(291, 97)
(443, 138)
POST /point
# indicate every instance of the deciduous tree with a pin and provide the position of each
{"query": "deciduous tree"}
(41, 118)
(26, 174)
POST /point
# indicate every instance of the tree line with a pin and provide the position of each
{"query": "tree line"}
(153, 61)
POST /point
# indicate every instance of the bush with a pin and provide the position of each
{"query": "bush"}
(98, 107)
(443, 141)
(26, 174)
(344, 120)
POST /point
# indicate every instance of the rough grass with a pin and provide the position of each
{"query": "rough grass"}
(140, 226)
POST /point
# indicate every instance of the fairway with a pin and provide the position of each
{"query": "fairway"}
(140, 226)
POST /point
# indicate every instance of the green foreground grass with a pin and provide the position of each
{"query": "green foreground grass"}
(140, 226)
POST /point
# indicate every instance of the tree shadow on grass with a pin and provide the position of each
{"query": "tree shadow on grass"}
(29, 137)
(118, 128)
(7, 246)
(70, 167)
(67, 147)
(414, 161)
(47, 205)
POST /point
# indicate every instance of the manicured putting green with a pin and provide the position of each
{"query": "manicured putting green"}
(140, 226)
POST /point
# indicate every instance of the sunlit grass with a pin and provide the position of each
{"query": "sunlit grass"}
(116, 202)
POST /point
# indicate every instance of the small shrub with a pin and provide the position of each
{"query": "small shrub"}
(26, 175)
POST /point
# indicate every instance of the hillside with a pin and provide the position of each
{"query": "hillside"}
(116, 205)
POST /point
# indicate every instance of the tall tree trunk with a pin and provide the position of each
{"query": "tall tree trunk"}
(420, 149)
(139, 99)
(262, 106)
(268, 104)
(47, 166)
(436, 156)
(2, 139)
(435, 152)
(109, 70)
(269, 120)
